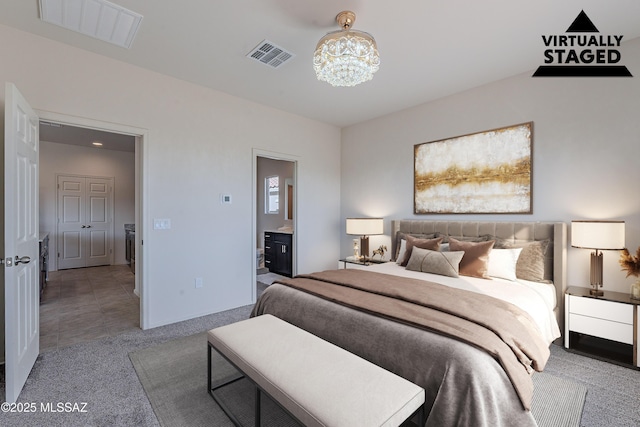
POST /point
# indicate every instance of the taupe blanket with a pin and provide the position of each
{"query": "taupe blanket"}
(501, 329)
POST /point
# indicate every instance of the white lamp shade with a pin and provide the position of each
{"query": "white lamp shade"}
(365, 226)
(608, 235)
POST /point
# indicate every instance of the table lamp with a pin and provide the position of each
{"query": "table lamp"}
(364, 227)
(598, 235)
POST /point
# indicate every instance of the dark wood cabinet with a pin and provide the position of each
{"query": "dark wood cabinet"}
(278, 253)
(44, 260)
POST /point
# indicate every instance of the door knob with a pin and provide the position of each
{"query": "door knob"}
(22, 260)
(84, 226)
(88, 226)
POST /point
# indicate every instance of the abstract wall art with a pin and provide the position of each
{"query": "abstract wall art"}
(481, 173)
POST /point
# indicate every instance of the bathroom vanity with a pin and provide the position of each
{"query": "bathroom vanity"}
(278, 252)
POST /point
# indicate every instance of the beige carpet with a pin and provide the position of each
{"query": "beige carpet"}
(174, 377)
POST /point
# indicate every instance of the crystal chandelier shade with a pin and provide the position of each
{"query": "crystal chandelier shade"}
(347, 57)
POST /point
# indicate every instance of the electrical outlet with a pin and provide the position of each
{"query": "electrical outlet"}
(198, 282)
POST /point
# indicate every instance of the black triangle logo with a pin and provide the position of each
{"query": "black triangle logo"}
(582, 24)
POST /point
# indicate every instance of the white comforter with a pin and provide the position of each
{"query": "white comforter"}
(537, 299)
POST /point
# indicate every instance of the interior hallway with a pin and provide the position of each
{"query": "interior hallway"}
(85, 304)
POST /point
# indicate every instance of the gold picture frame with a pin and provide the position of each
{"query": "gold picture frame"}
(487, 172)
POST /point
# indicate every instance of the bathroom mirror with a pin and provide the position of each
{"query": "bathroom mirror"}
(288, 198)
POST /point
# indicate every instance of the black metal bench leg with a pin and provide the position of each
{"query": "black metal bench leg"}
(209, 369)
(212, 388)
(422, 419)
(258, 413)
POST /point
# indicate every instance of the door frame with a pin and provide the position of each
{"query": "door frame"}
(141, 191)
(255, 153)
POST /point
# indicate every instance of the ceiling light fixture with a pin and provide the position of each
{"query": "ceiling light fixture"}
(346, 57)
(97, 144)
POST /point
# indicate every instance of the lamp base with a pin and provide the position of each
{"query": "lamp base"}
(596, 273)
(364, 247)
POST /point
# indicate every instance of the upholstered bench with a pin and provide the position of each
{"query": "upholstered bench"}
(316, 382)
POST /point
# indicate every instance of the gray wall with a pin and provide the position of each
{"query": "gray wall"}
(586, 154)
(198, 145)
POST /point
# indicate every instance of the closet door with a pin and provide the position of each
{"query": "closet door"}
(85, 226)
(98, 221)
(71, 215)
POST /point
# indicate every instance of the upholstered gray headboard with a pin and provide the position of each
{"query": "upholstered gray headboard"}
(556, 232)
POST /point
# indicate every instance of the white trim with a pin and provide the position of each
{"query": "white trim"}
(84, 122)
(141, 191)
(255, 153)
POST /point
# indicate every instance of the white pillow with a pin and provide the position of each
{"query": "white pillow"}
(502, 263)
(403, 249)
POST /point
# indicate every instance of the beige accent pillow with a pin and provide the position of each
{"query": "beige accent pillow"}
(431, 244)
(443, 263)
(530, 265)
(476, 257)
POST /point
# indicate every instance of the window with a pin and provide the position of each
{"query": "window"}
(272, 195)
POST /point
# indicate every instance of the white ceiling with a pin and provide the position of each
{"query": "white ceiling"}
(428, 48)
(64, 134)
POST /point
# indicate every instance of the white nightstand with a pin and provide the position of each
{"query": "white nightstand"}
(362, 265)
(613, 316)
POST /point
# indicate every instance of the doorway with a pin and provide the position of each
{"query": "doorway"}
(275, 214)
(133, 141)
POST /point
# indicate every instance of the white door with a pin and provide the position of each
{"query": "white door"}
(21, 276)
(98, 221)
(85, 225)
(71, 216)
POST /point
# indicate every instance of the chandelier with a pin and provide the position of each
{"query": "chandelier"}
(346, 57)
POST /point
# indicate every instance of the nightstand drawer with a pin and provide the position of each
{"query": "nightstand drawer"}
(597, 308)
(615, 331)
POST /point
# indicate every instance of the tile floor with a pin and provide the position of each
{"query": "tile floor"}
(85, 304)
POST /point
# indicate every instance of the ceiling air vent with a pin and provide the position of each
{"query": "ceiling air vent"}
(270, 54)
(100, 19)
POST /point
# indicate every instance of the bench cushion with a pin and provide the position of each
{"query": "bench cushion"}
(319, 383)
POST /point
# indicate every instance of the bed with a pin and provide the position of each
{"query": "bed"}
(465, 383)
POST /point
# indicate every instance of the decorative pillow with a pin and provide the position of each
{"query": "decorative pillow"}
(400, 236)
(483, 238)
(431, 244)
(502, 263)
(530, 265)
(401, 251)
(476, 256)
(427, 261)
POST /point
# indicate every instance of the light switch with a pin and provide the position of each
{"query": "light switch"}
(161, 224)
